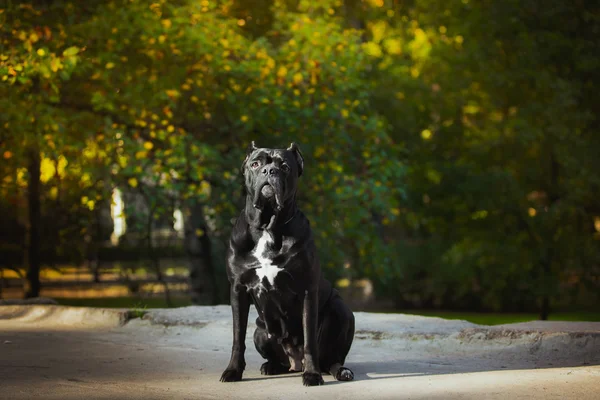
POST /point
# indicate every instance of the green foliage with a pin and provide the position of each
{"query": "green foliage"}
(450, 147)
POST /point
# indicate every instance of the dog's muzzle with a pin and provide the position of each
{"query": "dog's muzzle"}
(271, 187)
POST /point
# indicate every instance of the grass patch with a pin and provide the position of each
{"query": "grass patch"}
(505, 318)
(136, 303)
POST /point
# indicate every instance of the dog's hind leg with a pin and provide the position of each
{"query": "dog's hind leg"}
(335, 339)
(277, 361)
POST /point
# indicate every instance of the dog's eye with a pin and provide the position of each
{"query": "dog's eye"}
(285, 168)
(255, 164)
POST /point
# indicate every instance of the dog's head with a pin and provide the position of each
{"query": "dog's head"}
(271, 175)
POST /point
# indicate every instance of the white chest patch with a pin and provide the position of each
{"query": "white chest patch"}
(266, 269)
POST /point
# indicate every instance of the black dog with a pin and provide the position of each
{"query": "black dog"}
(303, 324)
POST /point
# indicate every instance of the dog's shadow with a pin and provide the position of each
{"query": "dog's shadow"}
(404, 368)
(280, 376)
(445, 365)
(362, 371)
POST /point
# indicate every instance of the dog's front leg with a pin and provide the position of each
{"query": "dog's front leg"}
(240, 306)
(312, 374)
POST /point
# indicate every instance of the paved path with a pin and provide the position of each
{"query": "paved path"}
(65, 353)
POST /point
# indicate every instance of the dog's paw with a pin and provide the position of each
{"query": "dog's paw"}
(312, 379)
(232, 375)
(273, 368)
(344, 374)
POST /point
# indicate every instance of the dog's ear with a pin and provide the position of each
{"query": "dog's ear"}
(299, 158)
(249, 151)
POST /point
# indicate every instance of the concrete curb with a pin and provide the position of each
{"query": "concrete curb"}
(81, 317)
(405, 331)
(411, 332)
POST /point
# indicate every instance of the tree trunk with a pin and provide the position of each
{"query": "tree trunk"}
(545, 311)
(548, 279)
(33, 232)
(154, 259)
(203, 277)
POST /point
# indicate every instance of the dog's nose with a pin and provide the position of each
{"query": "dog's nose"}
(270, 171)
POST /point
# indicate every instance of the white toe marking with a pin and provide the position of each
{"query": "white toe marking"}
(266, 269)
(347, 375)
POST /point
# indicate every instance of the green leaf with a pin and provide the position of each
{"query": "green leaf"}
(71, 51)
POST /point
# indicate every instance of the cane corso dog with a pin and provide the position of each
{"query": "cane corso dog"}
(302, 324)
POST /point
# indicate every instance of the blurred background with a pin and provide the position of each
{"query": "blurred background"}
(452, 148)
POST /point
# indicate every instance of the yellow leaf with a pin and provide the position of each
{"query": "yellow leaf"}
(199, 232)
(166, 23)
(393, 46)
(140, 154)
(61, 165)
(41, 52)
(204, 188)
(378, 31)
(345, 113)
(47, 170)
(532, 212)
(85, 178)
(426, 134)
(244, 118)
(471, 109)
(282, 72)
(132, 182)
(170, 128)
(148, 145)
(110, 65)
(297, 78)
(372, 49)
(343, 283)
(71, 51)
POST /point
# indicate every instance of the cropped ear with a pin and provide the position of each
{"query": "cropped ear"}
(249, 151)
(299, 158)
